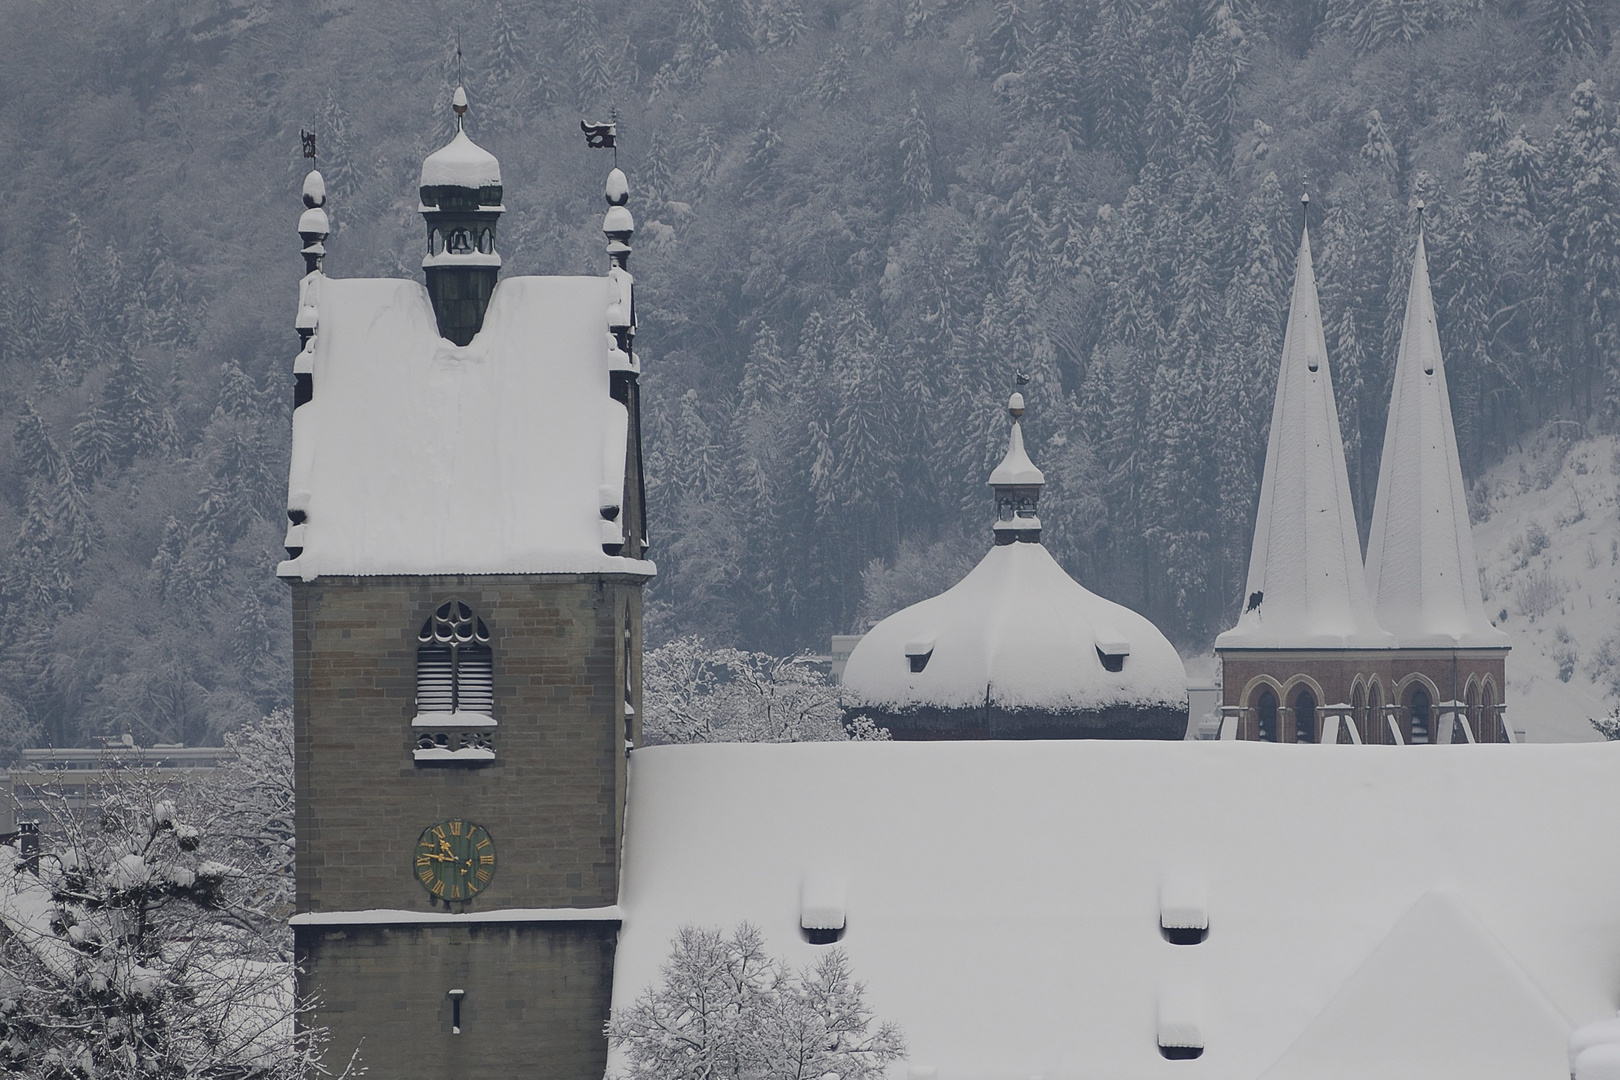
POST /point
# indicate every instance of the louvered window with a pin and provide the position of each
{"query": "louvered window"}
(455, 667)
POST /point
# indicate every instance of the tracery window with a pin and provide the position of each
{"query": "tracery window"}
(455, 688)
(455, 670)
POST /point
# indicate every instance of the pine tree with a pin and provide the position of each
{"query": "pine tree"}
(594, 78)
(1002, 50)
(1566, 27)
(916, 158)
(1115, 89)
(131, 401)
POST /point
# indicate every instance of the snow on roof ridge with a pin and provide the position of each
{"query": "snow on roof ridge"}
(1422, 571)
(1306, 583)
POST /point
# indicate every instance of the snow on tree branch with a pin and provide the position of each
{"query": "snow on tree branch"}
(723, 1007)
(695, 693)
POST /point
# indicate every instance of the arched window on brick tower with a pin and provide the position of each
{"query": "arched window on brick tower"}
(1377, 728)
(454, 663)
(1304, 716)
(1265, 709)
(1418, 706)
(1490, 719)
(1358, 710)
(1472, 710)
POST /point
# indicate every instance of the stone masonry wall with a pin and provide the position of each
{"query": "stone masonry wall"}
(553, 798)
(536, 997)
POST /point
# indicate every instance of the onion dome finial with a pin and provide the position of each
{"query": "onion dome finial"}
(1017, 483)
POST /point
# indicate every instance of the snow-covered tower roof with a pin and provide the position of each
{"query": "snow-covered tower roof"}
(1018, 648)
(510, 446)
(1306, 586)
(1421, 568)
(461, 162)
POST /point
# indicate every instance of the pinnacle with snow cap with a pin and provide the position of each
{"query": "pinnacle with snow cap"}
(1421, 568)
(1306, 583)
(1017, 483)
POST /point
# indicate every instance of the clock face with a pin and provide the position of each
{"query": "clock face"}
(455, 859)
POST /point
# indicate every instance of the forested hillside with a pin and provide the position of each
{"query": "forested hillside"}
(858, 219)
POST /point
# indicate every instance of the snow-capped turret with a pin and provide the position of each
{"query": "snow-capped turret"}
(1306, 585)
(1018, 649)
(461, 203)
(1421, 568)
(1017, 483)
(623, 515)
(313, 224)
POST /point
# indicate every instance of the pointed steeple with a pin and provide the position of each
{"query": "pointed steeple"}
(1017, 483)
(1421, 568)
(1306, 587)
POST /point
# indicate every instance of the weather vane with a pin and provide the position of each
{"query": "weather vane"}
(308, 138)
(603, 135)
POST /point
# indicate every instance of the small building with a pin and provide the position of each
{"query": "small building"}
(70, 776)
(1018, 649)
(1394, 650)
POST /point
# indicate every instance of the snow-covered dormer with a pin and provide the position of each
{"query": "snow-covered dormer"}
(1421, 567)
(1018, 649)
(1306, 587)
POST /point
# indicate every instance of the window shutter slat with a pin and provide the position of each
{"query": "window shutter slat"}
(434, 679)
(475, 680)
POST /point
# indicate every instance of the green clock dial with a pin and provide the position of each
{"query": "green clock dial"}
(455, 859)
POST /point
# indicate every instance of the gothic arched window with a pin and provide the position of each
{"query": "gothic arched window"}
(455, 667)
(1418, 705)
(1305, 716)
(1265, 708)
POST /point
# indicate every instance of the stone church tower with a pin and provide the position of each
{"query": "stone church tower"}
(465, 554)
(1398, 650)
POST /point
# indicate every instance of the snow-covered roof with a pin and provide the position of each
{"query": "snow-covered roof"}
(1371, 911)
(461, 162)
(418, 456)
(1305, 564)
(1421, 568)
(1017, 633)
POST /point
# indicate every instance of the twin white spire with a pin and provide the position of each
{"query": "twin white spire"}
(1307, 587)
(1421, 568)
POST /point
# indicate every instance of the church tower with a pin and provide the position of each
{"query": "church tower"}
(1313, 657)
(1421, 567)
(1307, 625)
(465, 547)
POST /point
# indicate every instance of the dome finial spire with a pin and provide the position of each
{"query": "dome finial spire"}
(458, 104)
(1017, 482)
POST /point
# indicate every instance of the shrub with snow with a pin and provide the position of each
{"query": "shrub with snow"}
(1538, 592)
(1608, 726)
(694, 693)
(148, 936)
(724, 1008)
